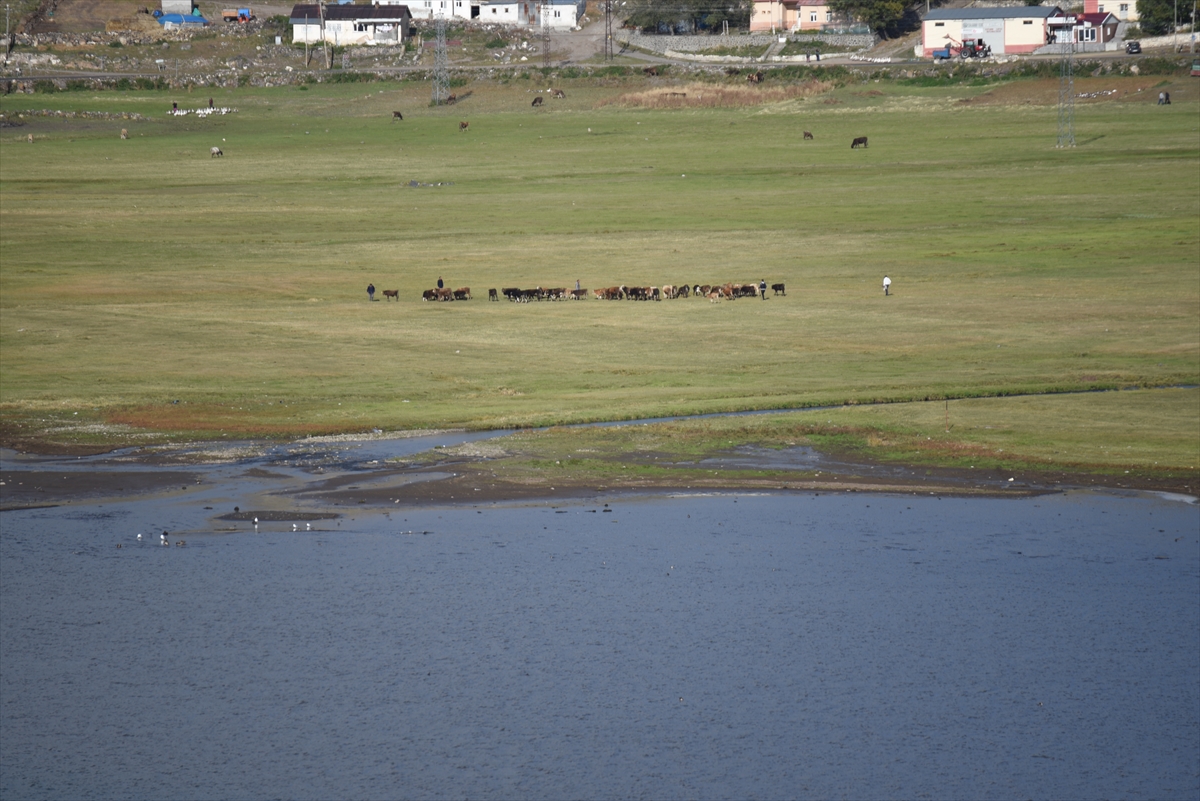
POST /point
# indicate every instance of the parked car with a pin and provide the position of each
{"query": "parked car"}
(1133, 48)
(1196, 68)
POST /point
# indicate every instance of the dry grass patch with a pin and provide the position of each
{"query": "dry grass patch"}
(700, 95)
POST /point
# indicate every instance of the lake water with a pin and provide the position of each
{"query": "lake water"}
(715, 646)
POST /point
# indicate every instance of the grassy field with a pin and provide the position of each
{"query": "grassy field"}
(148, 290)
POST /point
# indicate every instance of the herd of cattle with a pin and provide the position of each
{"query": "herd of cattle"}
(714, 292)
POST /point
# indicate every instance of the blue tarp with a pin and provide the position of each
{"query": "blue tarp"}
(182, 19)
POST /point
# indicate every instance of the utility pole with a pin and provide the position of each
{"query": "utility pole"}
(7, 35)
(306, 38)
(325, 40)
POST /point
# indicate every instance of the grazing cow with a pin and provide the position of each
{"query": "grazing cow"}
(396, 115)
(559, 93)
(216, 151)
(651, 71)
(124, 134)
(578, 294)
(808, 135)
(462, 293)
(778, 289)
(714, 296)
(512, 293)
(445, 294)
(755, 77)
(668, 291)
(492, 295)
(462, 126)
(702, 290)
(394, 294)
(429, 294)
(537, 101)
(451, 100)
(684, 291)
(861, 140)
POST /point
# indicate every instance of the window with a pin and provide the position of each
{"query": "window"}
(1085, 34)
(939, 24)
(1028, 22)
(812, 17)
(1124, 8)
(1100, 9)
(829, 16)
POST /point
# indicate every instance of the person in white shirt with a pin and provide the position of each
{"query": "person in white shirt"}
(887, 282)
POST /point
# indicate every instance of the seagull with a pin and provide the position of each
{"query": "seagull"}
(308, 526)
(139, 536)
(256, 521)
(163, 538)
(295, 527)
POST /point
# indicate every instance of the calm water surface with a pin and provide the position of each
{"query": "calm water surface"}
(729, 646)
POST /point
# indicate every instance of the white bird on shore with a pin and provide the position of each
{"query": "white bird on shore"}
(163, 538)
(139, 536)
(295, 527)
(308, 526)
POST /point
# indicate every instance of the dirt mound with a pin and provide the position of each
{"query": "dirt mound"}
(699, 95)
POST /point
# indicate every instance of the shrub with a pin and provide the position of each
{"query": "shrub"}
(496, 44)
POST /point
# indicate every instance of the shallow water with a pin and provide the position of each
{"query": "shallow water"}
(785, 645)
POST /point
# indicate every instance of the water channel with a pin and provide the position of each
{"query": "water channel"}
(714, 645)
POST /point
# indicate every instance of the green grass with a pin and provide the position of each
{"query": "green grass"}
(139, 273)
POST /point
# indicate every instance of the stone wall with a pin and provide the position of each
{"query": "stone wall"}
(697, 44)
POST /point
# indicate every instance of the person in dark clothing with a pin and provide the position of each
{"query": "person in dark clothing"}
(370, 292)
(441, 284)
(762, 288)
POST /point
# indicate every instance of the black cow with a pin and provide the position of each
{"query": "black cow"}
(861, 140)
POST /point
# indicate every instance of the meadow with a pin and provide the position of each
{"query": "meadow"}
(149, 292)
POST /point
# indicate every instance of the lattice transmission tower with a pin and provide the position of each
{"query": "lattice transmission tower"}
(608, 38)
(1066, 89)
(441, 68)
(544, 11)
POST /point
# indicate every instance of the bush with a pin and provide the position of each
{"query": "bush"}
(496, 44)
(352, 77)
(458, 81)
(44, 87)
(612, 72)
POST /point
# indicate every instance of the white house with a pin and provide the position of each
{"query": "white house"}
(351, 25)
(504, 12)
(561, 15)
(450, 9)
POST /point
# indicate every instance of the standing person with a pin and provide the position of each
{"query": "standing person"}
(576, 284)
(762, 288)
(441, 284)
(370, 292)
(887, 283)
(210, 103)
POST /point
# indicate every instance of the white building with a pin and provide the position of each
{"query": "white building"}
(351, 25)
(504, 12)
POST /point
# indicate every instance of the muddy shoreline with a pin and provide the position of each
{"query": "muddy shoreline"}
(318, 491)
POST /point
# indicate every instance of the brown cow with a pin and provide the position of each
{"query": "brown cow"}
(429, 294)
(559, 93)
(755, 77)
(451, 100)
(396, 115)
(651, 71)
(391, 293)
(778, 289)
(537, 101)
(462, 293)
(861, 140)
(124, 134)
(578, 294)
(808, 135)
(445, 294)
(462, 126)
(493, 295)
